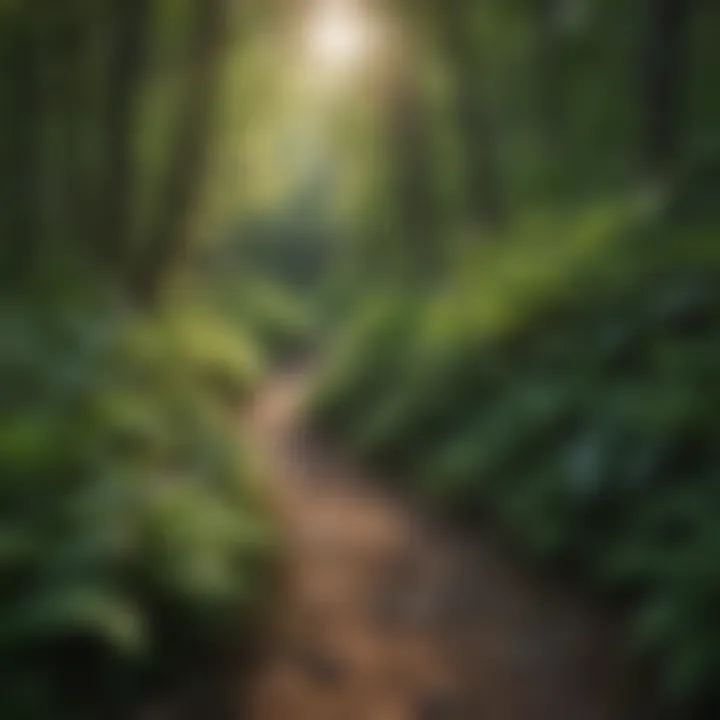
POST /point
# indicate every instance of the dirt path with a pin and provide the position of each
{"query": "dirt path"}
(389, 616)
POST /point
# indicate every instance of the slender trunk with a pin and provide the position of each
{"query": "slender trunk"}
(128, 42)
(23, 133)
(549, 86)
(476, 119)
(413, 173)
(168, 234)
(65, 67)
(665, 75)
(486, 195)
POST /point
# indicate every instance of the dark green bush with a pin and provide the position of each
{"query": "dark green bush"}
(569, 387)
(127, 529)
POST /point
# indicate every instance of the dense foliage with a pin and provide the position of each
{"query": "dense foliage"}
(568, 391)
(131, 541)
(559, 377)
(557, 373)
(516, 201)
(129, 533)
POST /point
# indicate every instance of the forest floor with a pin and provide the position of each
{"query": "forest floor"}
(389, 614)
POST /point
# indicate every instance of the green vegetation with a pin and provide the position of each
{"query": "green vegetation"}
(134, 546)
(508, 211)
(557, 376)
(130, 539)
(566, 390)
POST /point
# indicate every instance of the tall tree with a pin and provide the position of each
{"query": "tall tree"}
(664, 81)
(169, 226)
(21, 107)
(476, 118)
(413, 173)
(128, 40)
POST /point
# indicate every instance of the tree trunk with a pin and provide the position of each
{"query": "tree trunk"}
(485, 188)
(169, 230)
(70, 194)
(478, 128)
(665, 76)
(413, 172)
(129, 48)
(22, 83)
(549, 85)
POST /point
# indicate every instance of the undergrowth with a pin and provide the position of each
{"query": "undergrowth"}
(130, 536)
(566, 386)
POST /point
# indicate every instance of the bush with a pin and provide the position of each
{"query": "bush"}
(281, 321)
(128, 530)
(568, 387)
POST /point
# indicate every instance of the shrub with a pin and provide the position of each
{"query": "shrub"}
(128, 528)
(568, 387)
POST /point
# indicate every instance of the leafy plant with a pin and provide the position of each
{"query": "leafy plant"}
(569, 389)
(128, 528)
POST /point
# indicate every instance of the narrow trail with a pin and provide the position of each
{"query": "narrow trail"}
(388, 615)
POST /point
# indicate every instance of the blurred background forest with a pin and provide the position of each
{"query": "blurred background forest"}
(496, 224)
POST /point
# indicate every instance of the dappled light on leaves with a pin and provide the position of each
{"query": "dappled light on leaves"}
(359, 359)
